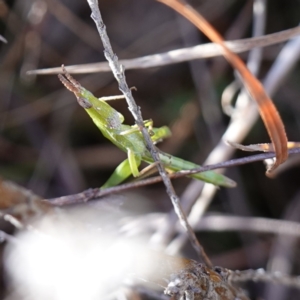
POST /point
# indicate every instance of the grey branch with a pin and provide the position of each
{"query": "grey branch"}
(119, 74)
(179, 55)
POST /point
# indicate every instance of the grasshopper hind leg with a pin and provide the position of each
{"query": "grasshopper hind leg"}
(121, 173)
(126, 168)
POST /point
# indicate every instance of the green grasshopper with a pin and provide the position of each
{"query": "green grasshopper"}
(129, 139)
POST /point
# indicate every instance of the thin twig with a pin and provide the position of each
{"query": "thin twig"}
(217, 222)
(222, 223)
(119, 74)
(179, 55)
(254, 58)
(262, 276)
(97, 193)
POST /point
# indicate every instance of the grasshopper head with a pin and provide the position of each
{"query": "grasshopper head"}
(74, 86)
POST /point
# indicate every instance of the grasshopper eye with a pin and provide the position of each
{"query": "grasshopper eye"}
(84, 102)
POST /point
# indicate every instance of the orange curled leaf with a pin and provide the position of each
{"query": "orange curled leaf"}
(267, 110)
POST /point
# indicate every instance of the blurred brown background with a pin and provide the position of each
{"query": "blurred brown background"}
(49, 145)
